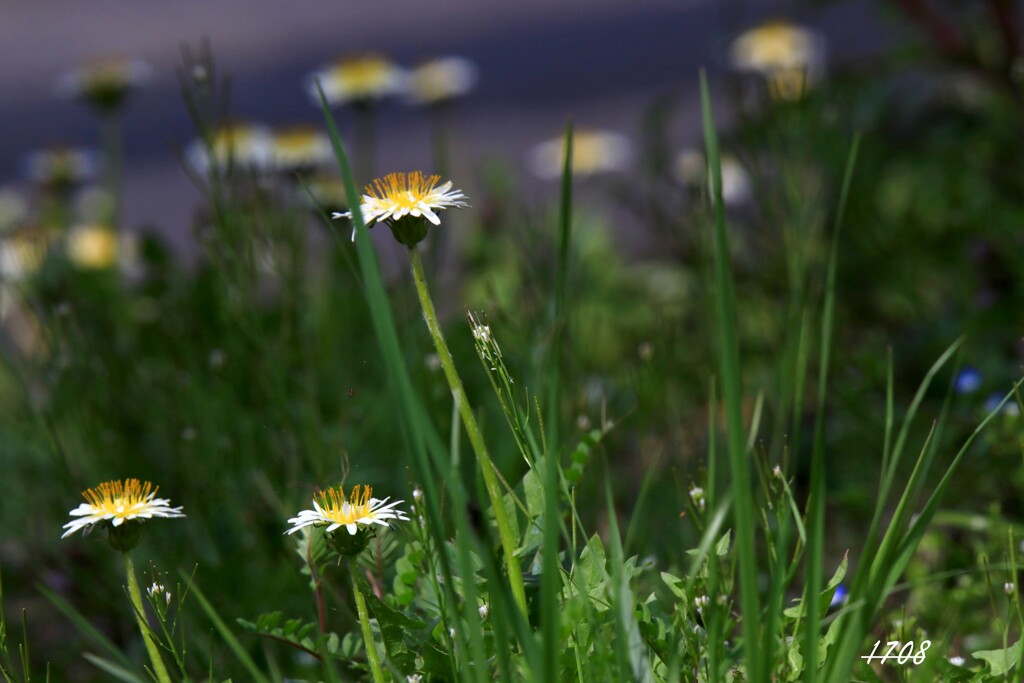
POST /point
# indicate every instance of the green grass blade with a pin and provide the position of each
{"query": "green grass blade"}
(551, 578)
(818, 484)
(85, 627)
(732, 391)
(225, 633)
(116, 671)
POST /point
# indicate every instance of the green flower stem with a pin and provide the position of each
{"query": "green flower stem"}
(113, 158)
(508, 540)
(140, 616)
(364, 623)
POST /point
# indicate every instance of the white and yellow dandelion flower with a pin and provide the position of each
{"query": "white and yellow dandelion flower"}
(104, 82)
(23, 252)
(790, 57)
(236, 144)
(61, 166)
(364, 78)
(92, 247)
(593, 151)
(333, 509)
(117, 502)
(14, 209)
(300, 148)
(440, 80)
(691, 169)
(398, 195)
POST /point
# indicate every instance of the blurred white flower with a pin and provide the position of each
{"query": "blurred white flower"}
(359, 79)
(61, 166)
(104, 83)
(697, 496)
(440, 80)
(593, 151)
(23, 252)
(692, 170)
(300, 148)
(13, 209)
(791, 58)
(236, 144)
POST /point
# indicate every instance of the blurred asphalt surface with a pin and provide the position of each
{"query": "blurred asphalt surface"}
(602, 62)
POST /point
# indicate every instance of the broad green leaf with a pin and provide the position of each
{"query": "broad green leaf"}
(1000, 661)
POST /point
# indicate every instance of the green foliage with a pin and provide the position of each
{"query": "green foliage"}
(737, 399)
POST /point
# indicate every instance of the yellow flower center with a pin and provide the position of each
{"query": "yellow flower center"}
(404, 190)
(777, 45)
(363, 74)
(298, 139)
(119, 498)
(345, 510)
(107, 74)
(92, 247)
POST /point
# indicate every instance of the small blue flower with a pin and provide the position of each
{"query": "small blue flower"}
(839, 597)
(1009, 408)
(968, 380)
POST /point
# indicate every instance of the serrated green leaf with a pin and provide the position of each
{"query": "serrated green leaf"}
(675, 584)
(593, 572)
(1000, 661)
(722, 547)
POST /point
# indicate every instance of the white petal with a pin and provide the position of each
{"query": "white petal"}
(431, 216)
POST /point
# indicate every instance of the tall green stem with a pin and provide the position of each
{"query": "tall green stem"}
(140, 616)
(364, 624)
(112, 165)
(508, 540)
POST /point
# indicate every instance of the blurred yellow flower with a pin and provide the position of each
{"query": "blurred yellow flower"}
(113, 503)
(104, 83)
(300, 148)
(234, 144)
(593, 151)
(359, 79)
(791, 58)
(325, 191)
(92, 247)
(23, 252)
(441, 79)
